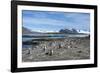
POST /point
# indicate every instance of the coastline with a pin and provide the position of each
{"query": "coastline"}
(70, 48)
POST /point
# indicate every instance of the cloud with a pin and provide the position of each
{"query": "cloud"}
(78, 17)
(44, 21)
(52, 21)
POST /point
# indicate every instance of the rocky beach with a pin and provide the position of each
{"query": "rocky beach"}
(69, 48)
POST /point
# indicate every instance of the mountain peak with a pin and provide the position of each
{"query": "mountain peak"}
(68, 30)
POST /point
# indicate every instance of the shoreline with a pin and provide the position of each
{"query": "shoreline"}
(58, 49)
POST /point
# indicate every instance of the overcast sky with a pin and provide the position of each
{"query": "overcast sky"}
(54, 21)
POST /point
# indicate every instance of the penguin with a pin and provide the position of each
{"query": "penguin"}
(29, 51)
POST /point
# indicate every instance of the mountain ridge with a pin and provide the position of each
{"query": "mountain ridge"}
(28, 31)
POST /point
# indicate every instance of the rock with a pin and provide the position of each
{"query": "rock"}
(79, 51)
(31, 57)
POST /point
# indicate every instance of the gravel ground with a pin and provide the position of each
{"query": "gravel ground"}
(58, 49)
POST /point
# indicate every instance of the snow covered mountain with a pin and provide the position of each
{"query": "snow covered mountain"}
(73, 31)
(83, 31)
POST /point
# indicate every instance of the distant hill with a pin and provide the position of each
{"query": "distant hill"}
(27, 31)
(68, 31)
